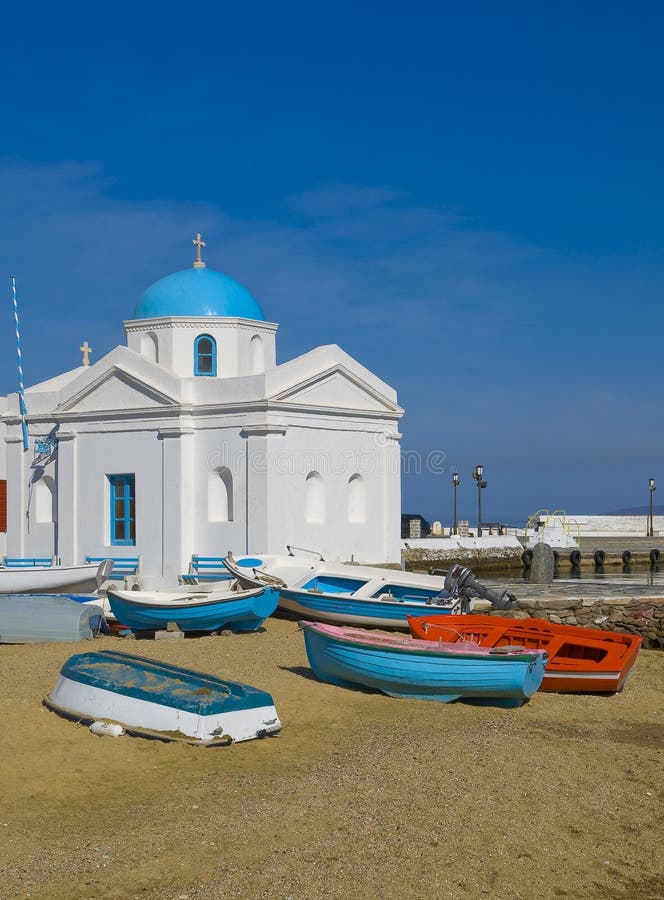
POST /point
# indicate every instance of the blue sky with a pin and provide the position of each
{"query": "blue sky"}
(466, 197)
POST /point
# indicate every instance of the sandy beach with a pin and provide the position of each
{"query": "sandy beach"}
(360, 795)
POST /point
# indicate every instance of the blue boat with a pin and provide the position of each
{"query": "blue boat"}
(149, 698)
(199, 608)
(403, 666)
(348, 594)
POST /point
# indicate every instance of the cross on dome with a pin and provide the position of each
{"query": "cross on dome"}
(198, 244)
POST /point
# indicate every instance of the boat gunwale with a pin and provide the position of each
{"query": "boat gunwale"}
(621, 650)
(435, 652)
(377, 601)
(186, 602)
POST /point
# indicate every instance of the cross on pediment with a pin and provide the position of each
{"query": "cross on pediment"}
(86, 350)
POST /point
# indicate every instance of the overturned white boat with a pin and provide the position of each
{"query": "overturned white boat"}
(149, 698)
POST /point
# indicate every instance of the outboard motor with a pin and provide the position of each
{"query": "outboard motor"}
(104, 570)
(460, 582)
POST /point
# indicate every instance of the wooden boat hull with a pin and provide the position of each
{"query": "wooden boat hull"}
(340, 593)
(153, 699)
(341, 610)
(581, 660)
(145, 611)
(47, 579)
(401, 666)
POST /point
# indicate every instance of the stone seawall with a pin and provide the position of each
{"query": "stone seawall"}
(479, 560)
(632, 614)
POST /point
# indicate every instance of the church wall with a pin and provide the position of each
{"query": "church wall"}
(175, 342)
(118, 453)
(3, 467)
(222, 450)
(41, 510)
(335, 455)
(173, 467)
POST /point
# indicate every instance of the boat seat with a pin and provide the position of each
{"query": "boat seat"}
(205, 568)
(122, 565)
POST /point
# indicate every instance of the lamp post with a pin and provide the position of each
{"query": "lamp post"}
(652, 487)
(456, 481)
(477, 476)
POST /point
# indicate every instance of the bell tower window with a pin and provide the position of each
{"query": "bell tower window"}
(205, 355)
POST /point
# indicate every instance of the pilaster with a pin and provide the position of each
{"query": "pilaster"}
(177, 525)
(67, 487)
(17, 469)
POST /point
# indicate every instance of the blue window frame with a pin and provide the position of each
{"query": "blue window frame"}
(205, 355)
(123, 509)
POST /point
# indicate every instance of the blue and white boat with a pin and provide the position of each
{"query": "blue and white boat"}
(406, 667)
(149, 698)
(345, 593)
(195, 608)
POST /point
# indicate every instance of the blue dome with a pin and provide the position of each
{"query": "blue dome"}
(197, 292)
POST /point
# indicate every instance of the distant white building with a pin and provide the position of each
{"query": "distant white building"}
(191, 439)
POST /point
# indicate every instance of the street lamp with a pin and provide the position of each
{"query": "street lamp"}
(652, 487)
(477, 476)
(456, 481)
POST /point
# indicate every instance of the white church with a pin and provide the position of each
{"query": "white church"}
(192, 440)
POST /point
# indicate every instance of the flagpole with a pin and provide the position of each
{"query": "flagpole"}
(19, 355)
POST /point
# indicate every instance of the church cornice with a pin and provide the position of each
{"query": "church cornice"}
(198, 322)
(149, 416)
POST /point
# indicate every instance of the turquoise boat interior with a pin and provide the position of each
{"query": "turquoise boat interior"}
(162, 683)
(407, 592)
(334, 584)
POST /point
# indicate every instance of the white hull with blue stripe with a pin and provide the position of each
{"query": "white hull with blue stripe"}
(194, 608)
(343, 593)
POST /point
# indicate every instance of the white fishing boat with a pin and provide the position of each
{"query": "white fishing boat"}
(51, 579)
(346, 593)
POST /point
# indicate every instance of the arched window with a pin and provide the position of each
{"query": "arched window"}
(220, 495)
(256, 355)
(314, 498)
(357, 499)
(205, 355)
(149, 347)
(45, 500)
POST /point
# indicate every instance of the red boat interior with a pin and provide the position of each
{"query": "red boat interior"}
(562, 643)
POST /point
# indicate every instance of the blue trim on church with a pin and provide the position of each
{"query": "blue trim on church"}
(205, 355)
(123, 510)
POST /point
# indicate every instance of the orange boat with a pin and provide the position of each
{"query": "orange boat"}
(581, 660)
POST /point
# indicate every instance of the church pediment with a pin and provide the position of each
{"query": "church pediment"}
(338, 389)
(116, 390)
